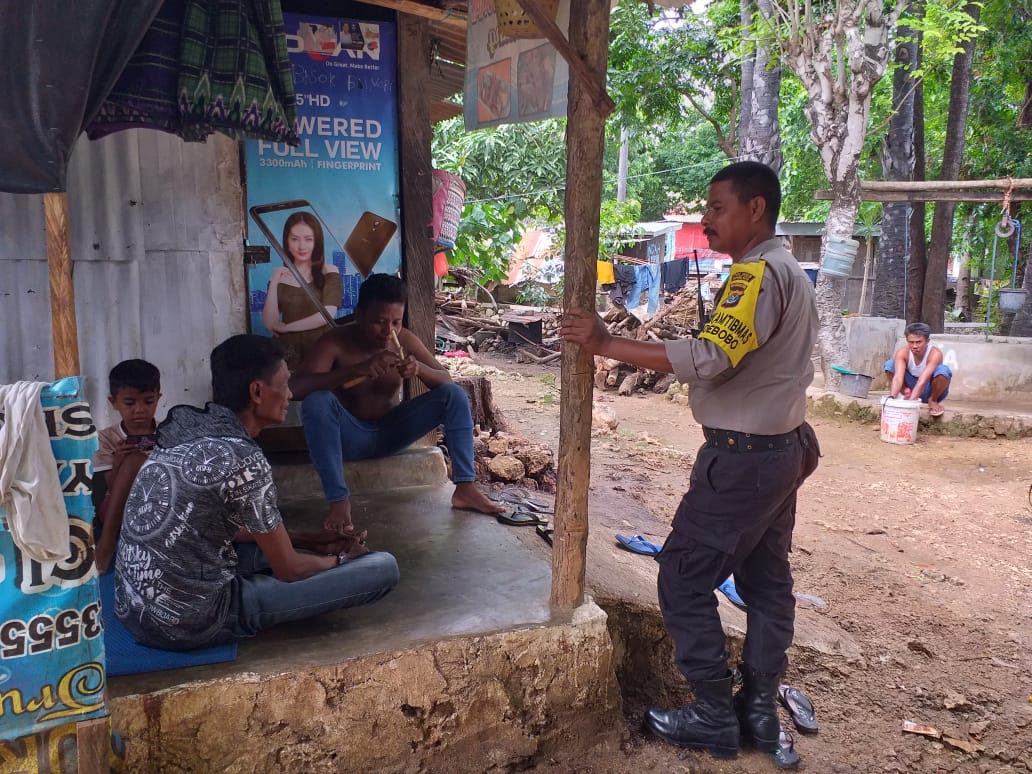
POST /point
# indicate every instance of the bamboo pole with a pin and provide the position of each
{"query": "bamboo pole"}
(62, 290)
(585, 135)
(945, 185)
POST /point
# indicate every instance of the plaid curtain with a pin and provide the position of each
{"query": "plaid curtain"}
(208, 66)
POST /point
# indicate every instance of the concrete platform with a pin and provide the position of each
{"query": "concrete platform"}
(963, 418)
(463, 667)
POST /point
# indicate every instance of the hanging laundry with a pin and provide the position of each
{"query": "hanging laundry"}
(626, 279)
(675, 274)
(30, 489)
(605, 272)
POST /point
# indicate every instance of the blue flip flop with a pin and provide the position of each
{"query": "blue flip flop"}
(727, 588)
(639, 545)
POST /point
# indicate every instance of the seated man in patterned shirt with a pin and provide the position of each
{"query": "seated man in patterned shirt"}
(204, 556)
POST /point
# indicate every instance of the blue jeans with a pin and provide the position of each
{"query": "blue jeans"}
(263, 601)
(334, 435)
(909, 380)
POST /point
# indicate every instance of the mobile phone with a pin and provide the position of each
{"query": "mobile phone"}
(142, 442)
(367, 241)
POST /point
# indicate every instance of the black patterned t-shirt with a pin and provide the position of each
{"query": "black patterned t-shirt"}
(176, 564)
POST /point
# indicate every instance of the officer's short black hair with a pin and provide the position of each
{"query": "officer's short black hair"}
(750, 179)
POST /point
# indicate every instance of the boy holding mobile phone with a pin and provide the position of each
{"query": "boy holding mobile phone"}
(134, 389)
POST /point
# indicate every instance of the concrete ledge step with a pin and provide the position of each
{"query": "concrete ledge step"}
(416, 466)
(492, 702)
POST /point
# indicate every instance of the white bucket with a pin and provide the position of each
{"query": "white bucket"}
(899, 420)
(839, 256)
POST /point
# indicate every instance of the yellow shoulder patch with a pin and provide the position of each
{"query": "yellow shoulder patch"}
(733, 324)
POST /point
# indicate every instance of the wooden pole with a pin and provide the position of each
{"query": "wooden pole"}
(62, 290)
(585, 140)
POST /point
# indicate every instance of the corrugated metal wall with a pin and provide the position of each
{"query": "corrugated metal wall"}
(157, 241)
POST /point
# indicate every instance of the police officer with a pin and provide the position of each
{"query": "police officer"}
(748, 371)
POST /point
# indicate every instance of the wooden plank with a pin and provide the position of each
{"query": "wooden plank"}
(867, 195)
(93, 744)
(413, 8)
(591, 80)
(945, 185)
(62, 290)
(585, 139)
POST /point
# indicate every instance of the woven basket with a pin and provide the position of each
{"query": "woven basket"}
(513, 22)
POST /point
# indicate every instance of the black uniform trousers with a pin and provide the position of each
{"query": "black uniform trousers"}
(737, 517)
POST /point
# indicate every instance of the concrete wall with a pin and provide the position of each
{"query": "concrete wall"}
(992, 369)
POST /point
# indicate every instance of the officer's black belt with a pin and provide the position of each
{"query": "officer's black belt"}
(732, 440)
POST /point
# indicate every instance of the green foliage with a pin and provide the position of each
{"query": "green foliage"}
(488, 234)
(656, 63)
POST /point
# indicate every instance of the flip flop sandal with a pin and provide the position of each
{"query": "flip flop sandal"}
(546, 532)
(936, 414)
(638, 545)
(727, 588)
(518, 498)
(786, 757)
(520, 518)
(804, 717)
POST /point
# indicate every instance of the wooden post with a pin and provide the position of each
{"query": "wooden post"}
(585, 141)
(415, 134)
(62, 290)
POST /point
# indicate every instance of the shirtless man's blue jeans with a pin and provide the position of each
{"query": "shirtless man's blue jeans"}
(335, 436)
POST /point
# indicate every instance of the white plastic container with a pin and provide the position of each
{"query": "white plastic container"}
(899, 420)
(839, 255)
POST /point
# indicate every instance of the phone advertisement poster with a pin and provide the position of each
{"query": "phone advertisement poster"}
(330, 206)
(510, 80)
(51, 631)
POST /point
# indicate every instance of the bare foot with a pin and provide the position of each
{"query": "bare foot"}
(339, 517)
(468, 498)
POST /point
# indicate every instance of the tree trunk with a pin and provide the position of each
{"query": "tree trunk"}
(746, 10)
(760, 135)
(897, 164)
(953, 153)
(481, 403)
(964, 305)
(915, 269)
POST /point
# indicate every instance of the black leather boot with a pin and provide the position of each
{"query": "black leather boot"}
(757, 710)
(709, 723)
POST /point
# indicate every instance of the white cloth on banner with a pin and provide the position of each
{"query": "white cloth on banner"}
(30, 489)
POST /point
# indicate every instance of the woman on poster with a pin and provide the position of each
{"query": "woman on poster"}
(288, 310)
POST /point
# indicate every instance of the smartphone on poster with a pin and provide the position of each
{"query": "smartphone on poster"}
(363, 247)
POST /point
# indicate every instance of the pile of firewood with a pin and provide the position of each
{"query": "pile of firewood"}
(677, 319)
(482, 328)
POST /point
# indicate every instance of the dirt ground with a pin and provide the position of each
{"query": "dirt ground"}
(921, 557)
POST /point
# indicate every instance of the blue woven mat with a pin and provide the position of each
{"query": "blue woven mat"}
(125, 656)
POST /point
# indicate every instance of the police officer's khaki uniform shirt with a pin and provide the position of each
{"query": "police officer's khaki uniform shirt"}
(765, 393)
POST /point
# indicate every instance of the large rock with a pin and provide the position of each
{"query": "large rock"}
(498, 445)
(535, 458)
(505, 467)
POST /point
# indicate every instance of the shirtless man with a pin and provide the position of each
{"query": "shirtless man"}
(350, 383)
(917, 371)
